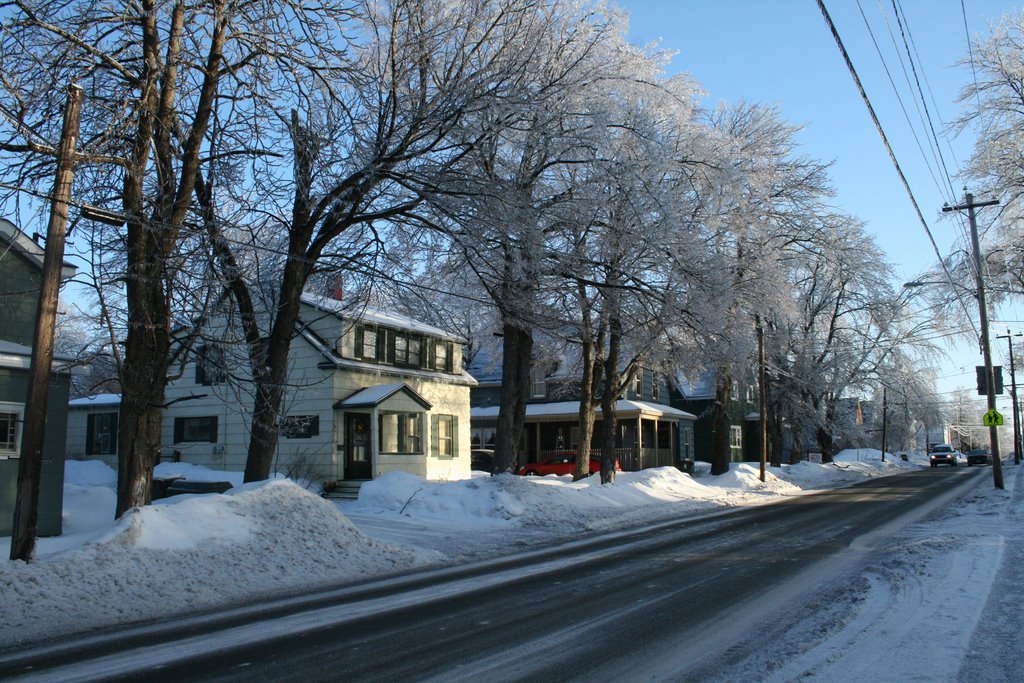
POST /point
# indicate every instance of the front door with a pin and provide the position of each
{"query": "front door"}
(357, 446)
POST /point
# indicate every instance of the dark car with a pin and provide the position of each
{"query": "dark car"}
(979, 456)
(944, 454)
(481, 459)
(559, 463)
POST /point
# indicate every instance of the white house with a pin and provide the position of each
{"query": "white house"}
(369, 392)
(92, 428)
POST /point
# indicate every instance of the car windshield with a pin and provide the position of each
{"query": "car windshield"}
(942, 449)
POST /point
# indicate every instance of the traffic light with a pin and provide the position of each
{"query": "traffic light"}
(997, 371)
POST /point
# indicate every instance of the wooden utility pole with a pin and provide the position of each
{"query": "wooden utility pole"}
(993, 432)
(1013, 394)
(30, 464)
(885, 414)
(762, 374)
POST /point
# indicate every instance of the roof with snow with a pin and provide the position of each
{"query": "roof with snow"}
(24, 245)
(571, 410)
(370, 314)
(14, 355)
(96, 401)
(373, 396)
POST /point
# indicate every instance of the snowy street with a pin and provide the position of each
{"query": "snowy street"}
(904, 577)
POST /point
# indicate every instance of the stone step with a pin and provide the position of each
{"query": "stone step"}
(345, 490)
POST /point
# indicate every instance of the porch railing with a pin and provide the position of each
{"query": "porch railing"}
(630, 459)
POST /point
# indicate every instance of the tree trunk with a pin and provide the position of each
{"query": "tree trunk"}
(823, 433)
(721, 452)
(591, 375)
(609, 397)
(515, 381)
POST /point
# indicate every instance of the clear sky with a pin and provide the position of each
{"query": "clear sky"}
(781, 52)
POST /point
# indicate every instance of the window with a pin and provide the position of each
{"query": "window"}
(101, 434)
(655, 387)
(300, 426)
(366, 343)
(210, 367)
(538, 384)
(482, 437)
(736, 439)
(638, 384)
(445, 431)
(195, 429)
(11, 417)
(401, 432)
(401, 349)
(414, 351)
(442, 356)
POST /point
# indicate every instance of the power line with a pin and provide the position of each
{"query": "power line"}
(888, 147)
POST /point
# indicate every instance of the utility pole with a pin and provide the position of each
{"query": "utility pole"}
(30, 465)
(986, 349)
(763, 396)
(1013, 394)
(885, 408)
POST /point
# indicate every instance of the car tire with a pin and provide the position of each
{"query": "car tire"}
(530, 473)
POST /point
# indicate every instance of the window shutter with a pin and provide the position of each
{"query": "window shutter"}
(424, 345)
(179, 429)
(389, 346)
(213, 429)
(358, 341)
(448, 360)
(455, 436)
(90, 434)
(435, 446)
(201, 365)
(430, 354)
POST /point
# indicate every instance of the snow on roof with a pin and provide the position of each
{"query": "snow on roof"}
(14, 355)
(25, 245)
(572, 409)
(376, 395)
(97, 400)
(371, 314)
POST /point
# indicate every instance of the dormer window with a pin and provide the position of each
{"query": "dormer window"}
(638, 384)
(655, 388)
(538, 384)
(369, 347)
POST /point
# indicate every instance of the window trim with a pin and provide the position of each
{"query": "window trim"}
(90, 433)
(437, 441)
(18, 410)
(300, 426)
(179, 428)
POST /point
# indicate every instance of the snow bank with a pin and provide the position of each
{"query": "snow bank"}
(189, 553)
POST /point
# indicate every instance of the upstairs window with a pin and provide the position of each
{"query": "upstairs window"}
(655, 387)
(638, 384)
(443, 352)
(210, 366)
(369, 345)
(538, 384)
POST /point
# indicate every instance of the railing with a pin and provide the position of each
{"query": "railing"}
(630, 459)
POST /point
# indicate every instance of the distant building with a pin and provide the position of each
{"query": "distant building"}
(649, 432)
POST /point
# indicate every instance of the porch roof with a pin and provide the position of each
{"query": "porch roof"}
(571, 410)
(375, 395)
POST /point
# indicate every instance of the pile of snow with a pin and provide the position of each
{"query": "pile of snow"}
(189, 553)
(195, 552)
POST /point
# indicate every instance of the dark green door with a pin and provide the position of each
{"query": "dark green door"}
(357, 446)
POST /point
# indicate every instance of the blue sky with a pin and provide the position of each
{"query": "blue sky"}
(781, 52)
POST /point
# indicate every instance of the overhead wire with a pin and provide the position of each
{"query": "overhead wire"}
(888, 147)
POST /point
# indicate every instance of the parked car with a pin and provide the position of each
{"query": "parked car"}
(559, 463)
(979, 456)
(481, 459)
(944, 454)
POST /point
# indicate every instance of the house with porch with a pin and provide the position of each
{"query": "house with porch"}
(369, 392)
(698, 398)
(649, 431)
(21, 267)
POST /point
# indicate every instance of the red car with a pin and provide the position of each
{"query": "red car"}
(559, 464)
